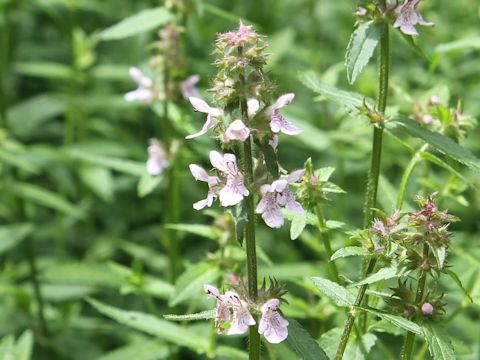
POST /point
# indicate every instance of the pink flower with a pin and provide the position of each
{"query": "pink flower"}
(242, 318)
(233, 189)
(213, 186)
(279, 195)
(144, 93)
(434, 100)
(427, 309)
(408, 16)
(212, 116)
(237, 130)
(157, 158)
(222, 312)
(243, 35)
(188, 88)
(272, 325)
(277, 122)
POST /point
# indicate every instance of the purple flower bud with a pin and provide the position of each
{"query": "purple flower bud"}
(427, 309)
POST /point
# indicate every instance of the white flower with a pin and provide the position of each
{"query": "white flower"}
(213, 181)
(188, 88)
(279, 195)
(242, 318)
(272, 325)
(157, 158)
(408, 16)
(233, 189)
(237, 130)
(222, 312)
(212, 116)
(277, 122)
(144, 93)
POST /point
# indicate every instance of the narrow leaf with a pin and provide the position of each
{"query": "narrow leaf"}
(24, 346)
(299, 222)
(439, 343)
(457, 281)
(390, 272)
(147, 184)
(204, 315)
(303, 343)
(340, 295)
(360, 49)
(12, 235)
(349, 251)
(395, 320)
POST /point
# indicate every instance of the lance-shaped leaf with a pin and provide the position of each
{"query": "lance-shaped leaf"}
(204, 315)
(302, 342)
(395, 320)
(340, 295)
(390, 272)
(349, 251)
(439, 343)
(457, 281)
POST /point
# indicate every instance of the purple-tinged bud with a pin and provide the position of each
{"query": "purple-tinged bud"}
(427, 309)
(361, 11)
(427, 119)
(434, 100)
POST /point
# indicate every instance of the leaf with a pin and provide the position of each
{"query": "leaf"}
(340, 295)
(437, 161)
(356, 350)
(303, 343)
(191, 282)
(440, 252)
(99, 180)
(7, 348)
(439, 343)
(139, 23)
(16, 159)
(395, 320)
(149, 324)
(299, 222)
(349, 251)
(12, 235)
(270, 157)
(204, 315)
(360, 48)
(329, 342)
(138, 350)
(205, 231)
(147, 184)
(46, 198)
(457, 281)
(386, 273)
(44, 69)
(351, 101)
(240, 217)
(24, 346)
(442, 143)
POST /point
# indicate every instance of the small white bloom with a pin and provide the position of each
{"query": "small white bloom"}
(242, 318)
(237, 130)
(157, 158)
(213, 186)
(212, 116)
(277, 122)
(272, 325)
(252, 107)
(144, 93)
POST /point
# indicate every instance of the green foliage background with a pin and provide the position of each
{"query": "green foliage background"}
(72, 153)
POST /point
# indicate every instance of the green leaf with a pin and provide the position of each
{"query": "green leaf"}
(349, 251)
(49, 70)
(240, 217)
(191, 282)
(437, 161)
(360, 48)
(205, 231)
(16, 159)
(393, 271)
(99, 180)
(457, 281)
(351, 101)
(147, 184)
(395, 320)
(145, 20)
(299, 222)
(442, 143)
(139, 350)
(7, 348)
(12, 235)
(270, 157)
(303, 343)
(149, 324)
(439, 343)
(24, 346)
(46, 198)
(204, 315)
(230, 353)
(340, 295)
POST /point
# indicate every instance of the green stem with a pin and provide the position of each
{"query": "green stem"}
(4, 59)
(322, 227)
(410, 338)
(417, 157)
(372, 185)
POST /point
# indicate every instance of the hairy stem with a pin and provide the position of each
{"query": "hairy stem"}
(410, 338)
(372, 185)
(325, 237)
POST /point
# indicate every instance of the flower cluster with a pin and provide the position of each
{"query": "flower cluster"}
(233, 313)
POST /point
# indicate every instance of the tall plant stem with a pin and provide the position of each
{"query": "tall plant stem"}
(410, 338)
(322, 227)
(372, 185)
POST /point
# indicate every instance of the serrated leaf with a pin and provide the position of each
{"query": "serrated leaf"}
(457, 281)
(191, 282)
(12, 235)
(395, 320)
(299, 222)
(386, 273)
(340, 295)
(303, 343)
(149, 324)
(350, 100)
(442, 143)
(147, 184)
(204, 315)
(349, 251)
(145, 20)
(46, 198)
(439, 343)
(360, 48)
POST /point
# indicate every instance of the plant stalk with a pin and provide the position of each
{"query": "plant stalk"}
(372, 185)
(410, 338)
(325, 237)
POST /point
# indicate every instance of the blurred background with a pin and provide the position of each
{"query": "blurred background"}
(81, 218)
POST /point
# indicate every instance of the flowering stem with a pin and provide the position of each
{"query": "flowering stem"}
(410, 338)
(372, 185)
(407, 174)
(322, 227)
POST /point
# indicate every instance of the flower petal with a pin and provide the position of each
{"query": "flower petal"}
(237, 131)
(283, 100)
(217, 161)
(252, 107)
(210, 123)
(295, 176)
(199, 173)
